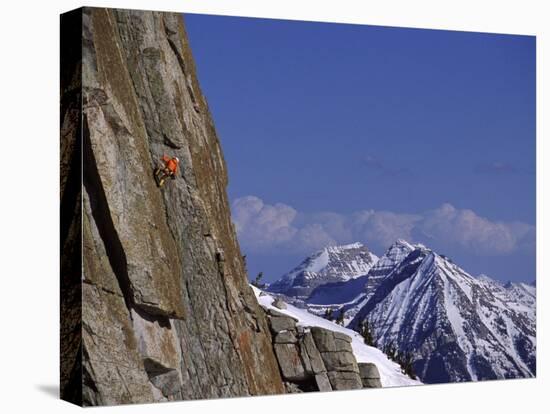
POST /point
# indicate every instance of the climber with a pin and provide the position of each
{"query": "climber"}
(168, 168)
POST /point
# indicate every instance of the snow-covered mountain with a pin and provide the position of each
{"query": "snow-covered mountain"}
(351, 295)
(457, 327)
(332, 264)
(393, 256)
(385, 264)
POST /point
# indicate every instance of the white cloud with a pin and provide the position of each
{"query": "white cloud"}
(312, 237)
(383, 227)
(261, 225)
(264, 227)
(470, 231)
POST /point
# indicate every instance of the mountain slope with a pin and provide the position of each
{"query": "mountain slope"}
(385, 265)
(458, 328)
(332, 264)
(351, 295)
(338, 292)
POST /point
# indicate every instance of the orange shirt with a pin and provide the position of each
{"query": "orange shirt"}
(172, 165)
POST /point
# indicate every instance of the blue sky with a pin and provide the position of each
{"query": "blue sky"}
(337, 133)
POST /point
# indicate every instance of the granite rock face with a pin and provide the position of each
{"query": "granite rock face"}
(278, 303)
(167, 312)
(370, 376)
(70, 207)
(317, 359)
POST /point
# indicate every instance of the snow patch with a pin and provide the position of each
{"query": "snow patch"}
(390, 372)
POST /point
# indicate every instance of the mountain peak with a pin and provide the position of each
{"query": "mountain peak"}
(329, 265)
(406, 246)
(402, 243)
(356, 245)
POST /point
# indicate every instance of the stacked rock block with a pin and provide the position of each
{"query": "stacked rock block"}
(370, 377)
(337, 355)
(317, 359)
